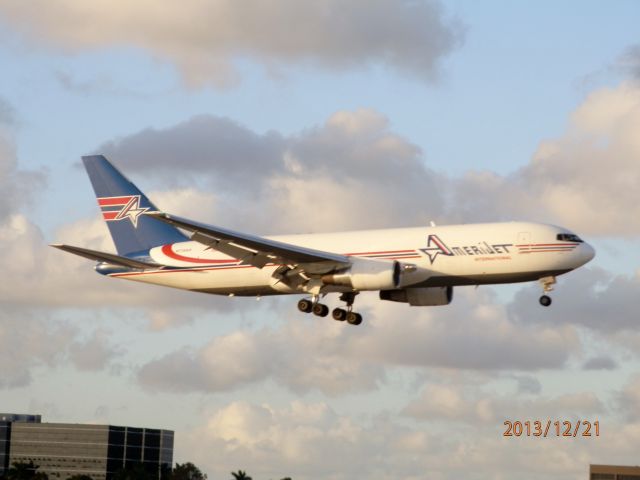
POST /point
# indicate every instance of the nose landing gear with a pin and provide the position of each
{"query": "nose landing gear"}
(547, 286)
(545, 300)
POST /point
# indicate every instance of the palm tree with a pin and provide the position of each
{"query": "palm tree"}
(187, 471)
(241, 475)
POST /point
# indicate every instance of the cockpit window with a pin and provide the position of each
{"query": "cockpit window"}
(569, 237)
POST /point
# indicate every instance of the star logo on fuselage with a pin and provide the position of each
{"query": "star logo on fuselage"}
(435, 247)
(132, 210)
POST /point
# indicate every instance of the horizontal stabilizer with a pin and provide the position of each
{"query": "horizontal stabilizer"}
(105, 257)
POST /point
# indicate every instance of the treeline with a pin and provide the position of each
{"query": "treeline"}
(135, 471)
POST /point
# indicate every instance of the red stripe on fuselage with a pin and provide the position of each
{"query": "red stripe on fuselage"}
(376, 253)
(168, 251)
(548, 245)
(545, 251)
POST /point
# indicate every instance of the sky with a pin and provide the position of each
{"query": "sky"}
(288, 117)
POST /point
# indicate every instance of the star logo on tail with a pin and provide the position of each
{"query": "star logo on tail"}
(132, 210)
(121, 208)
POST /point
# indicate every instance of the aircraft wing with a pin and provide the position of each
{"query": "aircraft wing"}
(105, 257)
(255, 250)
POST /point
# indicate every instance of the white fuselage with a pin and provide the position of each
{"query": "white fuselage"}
(451, 255)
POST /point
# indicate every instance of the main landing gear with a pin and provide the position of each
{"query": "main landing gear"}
(547, 286)
(350, 316)
(312, 305)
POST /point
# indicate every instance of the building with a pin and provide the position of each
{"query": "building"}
(6, 419)
(613, 472)
(62, 450)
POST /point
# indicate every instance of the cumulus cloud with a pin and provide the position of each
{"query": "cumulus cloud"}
(7, 113)
(44, 276)
(586, 179)
(205, 40)
(354, 163)
(18, 186)
(603, 362)
(528, 384)
(327, 177)
(315, 441)
(474, 332)
(31, 339)
(93, 353)
(629, 399)
(301, 357)
(590, 297)
(455, 403)
(334, 358)
(97, 85)
(227, 154)
(28, 341)
(629, 62)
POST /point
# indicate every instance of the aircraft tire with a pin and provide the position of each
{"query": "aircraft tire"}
(320, 310)
(305, 305)
(545, 300)
(339, 314)
(354, 318)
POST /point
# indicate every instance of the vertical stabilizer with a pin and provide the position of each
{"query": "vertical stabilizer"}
(124, 207)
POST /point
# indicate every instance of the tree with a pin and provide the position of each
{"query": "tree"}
(187, 471)
(241, 475)
(134, 471)
(25, 471)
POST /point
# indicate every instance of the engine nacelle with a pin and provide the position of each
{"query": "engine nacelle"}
(367, 274)
(420, 297)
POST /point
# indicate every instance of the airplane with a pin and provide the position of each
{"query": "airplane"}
(418, 266)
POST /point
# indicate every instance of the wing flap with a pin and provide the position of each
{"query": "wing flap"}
(105, 257)
(246, 256)
(252, 249)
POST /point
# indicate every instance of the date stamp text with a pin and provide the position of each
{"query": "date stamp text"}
(549, 428)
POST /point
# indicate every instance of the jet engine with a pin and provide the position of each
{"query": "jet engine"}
(420, 297)
(369, 274)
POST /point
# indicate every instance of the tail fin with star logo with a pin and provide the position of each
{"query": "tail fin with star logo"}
(124, 207)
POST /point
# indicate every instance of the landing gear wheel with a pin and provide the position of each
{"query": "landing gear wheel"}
(320, 310)
(545, 300)
(305, 305)
(339, 314)
(354, 318)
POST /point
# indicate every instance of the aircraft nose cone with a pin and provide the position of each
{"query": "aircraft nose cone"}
(587, 252)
